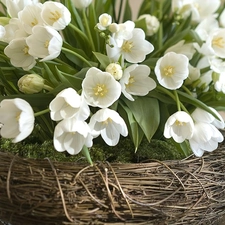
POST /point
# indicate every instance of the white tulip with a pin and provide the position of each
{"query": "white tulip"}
(18, 52)
(67, 104)
(179, 126)
(171, 70)
(71, 135)
(15, 6)
(45, 42)
(109, 125)
(205, 138)
(81, 4)
(30, 16)
(136, 81)
(100, 89)
(56, 15)
(17, 118)
(134, 50)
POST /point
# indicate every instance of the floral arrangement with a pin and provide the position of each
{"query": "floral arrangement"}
(80, 69)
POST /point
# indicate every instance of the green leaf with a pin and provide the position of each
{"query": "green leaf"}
(135, 132)
(127, 12)
(103, 59)
(146, 112)
(193, 101)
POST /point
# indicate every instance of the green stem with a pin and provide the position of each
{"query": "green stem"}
(78, 31)
(177, 100)
(77, 55)
(167, 92)
(86, 153)
(42, 112)
(48, 88)
(88, 30)
(187, 90)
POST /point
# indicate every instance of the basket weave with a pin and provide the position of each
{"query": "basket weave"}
(190, 191)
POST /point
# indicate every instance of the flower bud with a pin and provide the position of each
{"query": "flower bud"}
(104, 21)
(152, 24)
(81, 4)
(115, 69)
(114, 27)
(31, 83)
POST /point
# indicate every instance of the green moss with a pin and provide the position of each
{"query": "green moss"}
(123, 152)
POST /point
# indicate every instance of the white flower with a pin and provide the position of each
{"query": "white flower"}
(196, 8)
(206, 26)
(56, 15)
(18, 52)
(100, 89)
(136, 81)
(194, 74)
(31, 83)
(104, 21)
(115, 70)
(182, 48)
(2, 32)
(200, 115)
(17, 118)
(220, 83)
(171, 70)
(14, 29)
(216, 42)
(152, 23)
(205, 138)
(71, 135)
(109, 125)
(45, 43)
(15, 6)
(133, 50)
(68, 103)
(122, 31)
(30, 16)
(222, 18)
(80, 4)
(179, 126)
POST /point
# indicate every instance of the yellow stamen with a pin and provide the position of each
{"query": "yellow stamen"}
(34, 22)
(179, 123)
(168, 71)
(127, 46)
(18, 116)
(46, 44)
(131, 81)
(219, 42)
(100, 90)
(106, 122)
(55, 16)
(25, 50)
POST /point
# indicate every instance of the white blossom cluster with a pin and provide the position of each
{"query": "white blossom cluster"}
(33, 33)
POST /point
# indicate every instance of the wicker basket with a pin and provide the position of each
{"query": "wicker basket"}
(190, 191)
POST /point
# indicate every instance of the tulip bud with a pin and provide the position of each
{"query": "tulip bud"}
(152, 24)
(31, 83)
(81, 4)
(115, 69)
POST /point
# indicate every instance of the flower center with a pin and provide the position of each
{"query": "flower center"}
(106, 122)
(219, 42)
(100, 90)
(34, 22)
(168, 71)
(131, 81)
(18, 116)
(46, 44)
(127, 46)
(25, 50)
(55, 16)
(179, 123)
